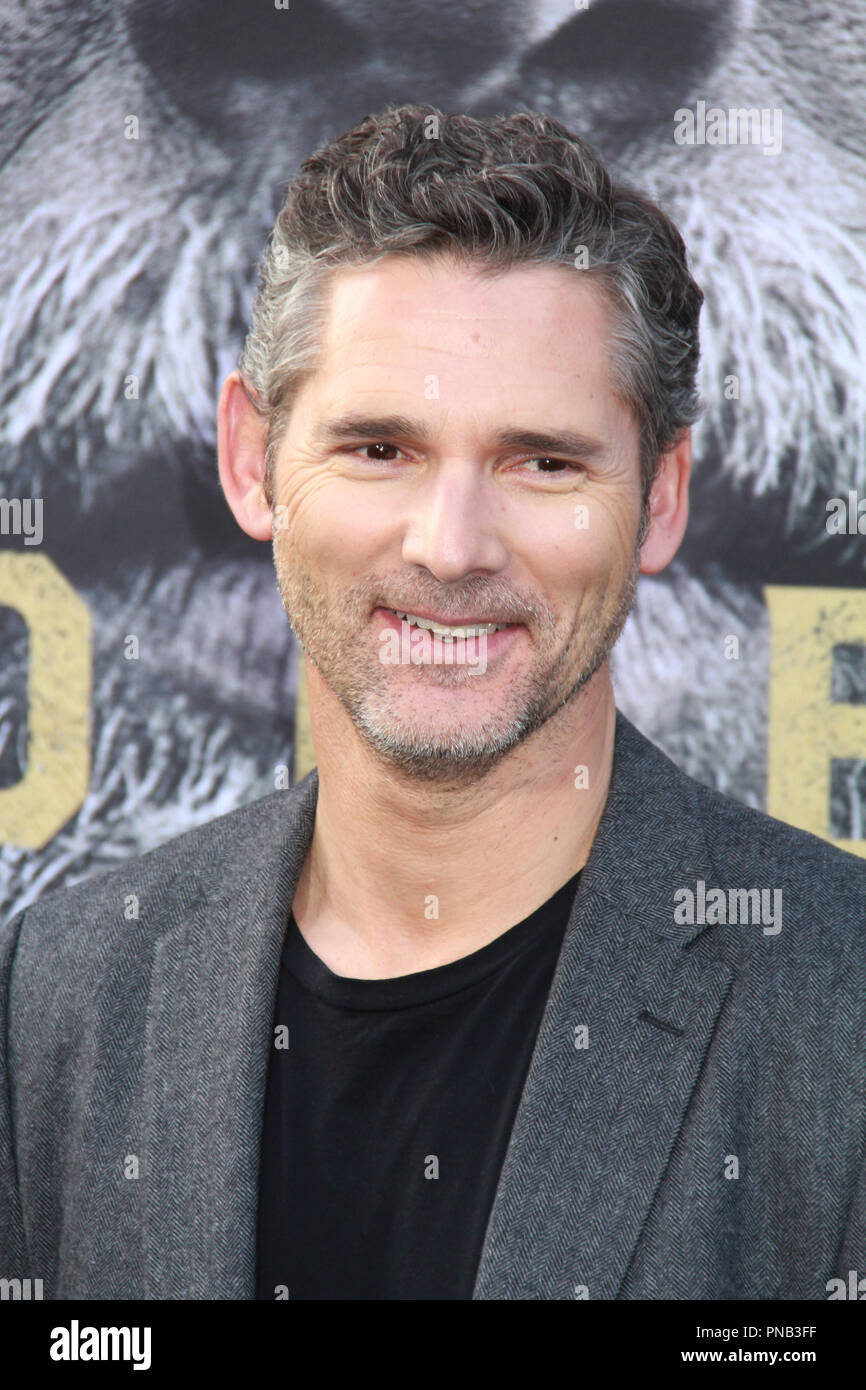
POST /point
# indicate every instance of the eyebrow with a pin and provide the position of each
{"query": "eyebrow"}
(381, 427)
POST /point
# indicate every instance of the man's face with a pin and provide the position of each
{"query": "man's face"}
(448, 513)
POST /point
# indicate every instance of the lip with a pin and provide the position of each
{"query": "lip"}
(450, 620)
(495, 643)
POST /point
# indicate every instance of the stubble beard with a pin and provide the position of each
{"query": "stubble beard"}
(336, 640)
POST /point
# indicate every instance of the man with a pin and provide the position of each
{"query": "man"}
(497, 1003)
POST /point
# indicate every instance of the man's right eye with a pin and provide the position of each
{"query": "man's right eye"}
(378, 457)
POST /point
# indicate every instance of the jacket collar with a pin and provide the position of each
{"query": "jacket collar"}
(595, 1125)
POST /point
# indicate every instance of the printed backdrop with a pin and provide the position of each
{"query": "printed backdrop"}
(149, 680)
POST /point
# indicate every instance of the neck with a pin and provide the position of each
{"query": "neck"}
(403, 875)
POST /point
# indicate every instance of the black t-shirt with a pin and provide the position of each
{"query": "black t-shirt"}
(388, 1115)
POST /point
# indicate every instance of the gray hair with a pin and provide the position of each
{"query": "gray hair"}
(495, 192)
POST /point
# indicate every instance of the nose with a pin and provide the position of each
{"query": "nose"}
(614, 70)
(453, 529)
(610, 67)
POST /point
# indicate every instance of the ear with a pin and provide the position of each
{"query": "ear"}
(668, 507)
(241, 434)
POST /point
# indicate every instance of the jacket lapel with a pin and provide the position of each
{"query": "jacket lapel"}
(596, 1123)
(208, 1043)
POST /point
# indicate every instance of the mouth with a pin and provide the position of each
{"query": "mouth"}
(462, 627)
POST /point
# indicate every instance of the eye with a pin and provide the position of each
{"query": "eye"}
(553, 465)
(383, 453)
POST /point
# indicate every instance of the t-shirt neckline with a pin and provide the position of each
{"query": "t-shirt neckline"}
(425, 986)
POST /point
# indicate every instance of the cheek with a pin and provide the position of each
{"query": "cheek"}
(298, 494)
(577, 563)
(335, 524)
(584, 545)
(608, 540)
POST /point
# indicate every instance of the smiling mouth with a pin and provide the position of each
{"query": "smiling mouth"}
(449, 630)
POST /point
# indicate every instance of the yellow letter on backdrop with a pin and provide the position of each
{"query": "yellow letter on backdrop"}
(58, 701)
(807, 727)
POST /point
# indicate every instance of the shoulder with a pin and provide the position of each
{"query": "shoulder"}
(156, 887)
(813, 893)
(739, 838)
(682, 827)
(749, 841)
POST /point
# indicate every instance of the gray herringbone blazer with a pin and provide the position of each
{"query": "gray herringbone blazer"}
(706, 1142)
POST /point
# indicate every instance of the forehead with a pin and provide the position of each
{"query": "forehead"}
(529, 319)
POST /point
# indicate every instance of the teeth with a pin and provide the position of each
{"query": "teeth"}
(438, 629)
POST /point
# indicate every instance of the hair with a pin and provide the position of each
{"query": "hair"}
(495, 192)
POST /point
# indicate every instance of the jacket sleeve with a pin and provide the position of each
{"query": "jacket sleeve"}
(14, 1259)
